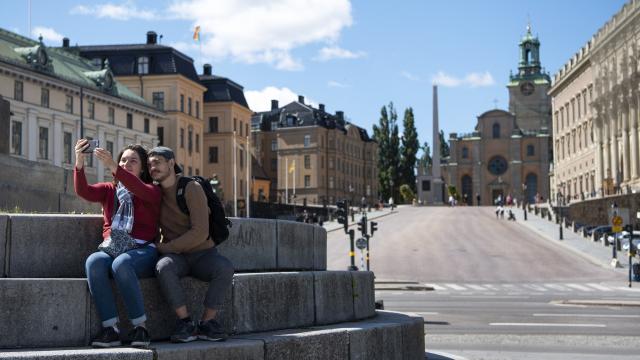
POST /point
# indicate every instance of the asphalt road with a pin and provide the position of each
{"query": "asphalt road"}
(500, 291)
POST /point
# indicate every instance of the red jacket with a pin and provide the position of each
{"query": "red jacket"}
(146, 201)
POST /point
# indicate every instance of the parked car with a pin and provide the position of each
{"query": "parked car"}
(599, 230)
(624, 237)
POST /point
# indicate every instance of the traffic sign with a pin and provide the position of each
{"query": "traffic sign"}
(361, 243)
(616, 221)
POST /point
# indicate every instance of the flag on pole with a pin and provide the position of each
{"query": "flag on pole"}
(196, 34)
(292, 167)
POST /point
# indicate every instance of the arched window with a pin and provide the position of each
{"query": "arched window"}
(531, 150)
(467, 189)
(531, 182)
(465, 152)
(496, 131)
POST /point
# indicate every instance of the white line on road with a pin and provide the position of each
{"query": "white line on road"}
(556, 287)
(455, 287)
(579, 287)
(590, 315)
(476, 287)
(437, 287)
(599, 287)
(426, 313)
(548, 324)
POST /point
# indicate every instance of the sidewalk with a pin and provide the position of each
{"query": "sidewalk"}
(373, 214)
(585, 247)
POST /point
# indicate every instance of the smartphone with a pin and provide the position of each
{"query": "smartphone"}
(93, 144)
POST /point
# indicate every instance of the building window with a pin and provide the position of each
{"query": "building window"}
(146, 125)
(213, 124)
(112, 116)
(129, 121)
(143, 65)
(44, 97)
(235, 124)
(158, 100)
(465, 152)
(531, 150)
(182, 138)
(307, 140)
(189, 106)
(181, 102)
(307, 181)
(331, 184)
(213, 154)
(426, 185)
(66, 145)
(160, 135)
(16, 137)
(496, 131)
(190, 140)
(307, 161)
(43, 148)
(241, 155)
(91, 109)
(274, 145)
(68, 104)
(198, 109)
(190, 170)
(497, 165)
(331, 163)
(198, 143)
(274, 125)
(246, 129)
(110, 147)
(274, 164)
(197, 172)
(18, 90)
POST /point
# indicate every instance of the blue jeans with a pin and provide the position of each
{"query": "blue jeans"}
(126, 269)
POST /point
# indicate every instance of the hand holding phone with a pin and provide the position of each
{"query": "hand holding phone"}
(93, 144)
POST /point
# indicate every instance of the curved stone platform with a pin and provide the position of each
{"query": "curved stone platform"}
(56, 246)
(387, 336)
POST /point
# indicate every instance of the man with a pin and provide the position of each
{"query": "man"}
(187, 249)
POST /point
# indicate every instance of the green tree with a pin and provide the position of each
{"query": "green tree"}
(444, 146)
(409, 150)
(407, 194)
(386, 135)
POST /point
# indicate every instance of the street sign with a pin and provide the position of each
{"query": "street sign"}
(361, 243)
(616, 221)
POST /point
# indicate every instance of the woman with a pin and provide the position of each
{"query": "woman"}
(137, 213)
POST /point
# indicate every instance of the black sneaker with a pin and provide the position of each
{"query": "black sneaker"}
(108, 337)
(185, 331)
(140, 337)
(212, 331)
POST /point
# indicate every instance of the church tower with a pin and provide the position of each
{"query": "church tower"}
(528, 99)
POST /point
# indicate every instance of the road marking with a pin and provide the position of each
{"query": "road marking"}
(535, 287)
(426, 313)
(599, 287)
(556, 287)
(589, 315)
(455, 287)
(436, 287)
(476, 287)
(579, 287)
(548, 324)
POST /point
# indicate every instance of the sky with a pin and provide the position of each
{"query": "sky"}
(354, 56)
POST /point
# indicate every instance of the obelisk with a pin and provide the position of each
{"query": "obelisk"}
(437, 194)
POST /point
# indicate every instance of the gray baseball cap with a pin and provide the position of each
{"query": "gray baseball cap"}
(166, 153)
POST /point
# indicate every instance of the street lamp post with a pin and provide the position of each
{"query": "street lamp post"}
(524, 200)
(560, 203)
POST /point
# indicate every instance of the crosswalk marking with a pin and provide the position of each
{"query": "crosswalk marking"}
(455, 287)
(536, 288)
(579, 287)
(599, 287)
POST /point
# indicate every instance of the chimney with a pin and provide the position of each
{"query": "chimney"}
(65, 42)
(274, 104)
(340, 115)
(206, 69)
(321, 107)
(301, 99)
(152, 38)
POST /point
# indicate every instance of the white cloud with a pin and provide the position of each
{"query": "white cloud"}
(335, 52)
(471, 80)
(336, 84)
(48, 34)
(410, 76)
(124, 11)
(263, 32)
(260, 100)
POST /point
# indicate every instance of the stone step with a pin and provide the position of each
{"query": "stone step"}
(56, 246)
(387, 336)
(60, 312)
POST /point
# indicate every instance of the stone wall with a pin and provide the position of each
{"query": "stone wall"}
(598, 211)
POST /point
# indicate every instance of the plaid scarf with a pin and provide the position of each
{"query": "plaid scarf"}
(123, 218)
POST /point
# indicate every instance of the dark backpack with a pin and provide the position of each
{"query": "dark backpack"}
(218, 223)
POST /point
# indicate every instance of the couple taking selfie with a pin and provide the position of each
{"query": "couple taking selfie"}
(146, 233)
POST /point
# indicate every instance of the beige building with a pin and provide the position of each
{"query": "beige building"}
(314, 157)
(597, 90)
(166, 78)
(49, 87)
(508, 153)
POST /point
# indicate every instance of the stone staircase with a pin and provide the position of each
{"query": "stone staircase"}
(283, 303)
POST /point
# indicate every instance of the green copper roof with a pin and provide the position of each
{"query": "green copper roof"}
(528, 37)
(60, 64)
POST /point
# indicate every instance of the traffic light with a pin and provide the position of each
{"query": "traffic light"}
(362, 225)
(374, 227)
(341, 213)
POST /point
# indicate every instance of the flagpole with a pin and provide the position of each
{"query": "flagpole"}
(235, 178)
(294, 178)
(248, 197)
(286, 180)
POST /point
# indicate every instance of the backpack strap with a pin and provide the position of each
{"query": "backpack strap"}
(180, 198)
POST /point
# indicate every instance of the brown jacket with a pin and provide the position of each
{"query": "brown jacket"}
(182, 233)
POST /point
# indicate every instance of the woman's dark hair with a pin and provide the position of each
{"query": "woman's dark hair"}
(145, 176)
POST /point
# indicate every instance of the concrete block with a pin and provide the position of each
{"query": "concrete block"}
(295, 245)
(364, 297)
(59, 243)
(39, 312)
(161, 319)
(271, 301)
(80, 354)
(308, 345)
(413, 338)
(333, 297)
(371, 341)
(4, 235)
(232, 349)
(319, 248)
(252, 245)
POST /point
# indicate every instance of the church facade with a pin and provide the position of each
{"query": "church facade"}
(508, 153)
